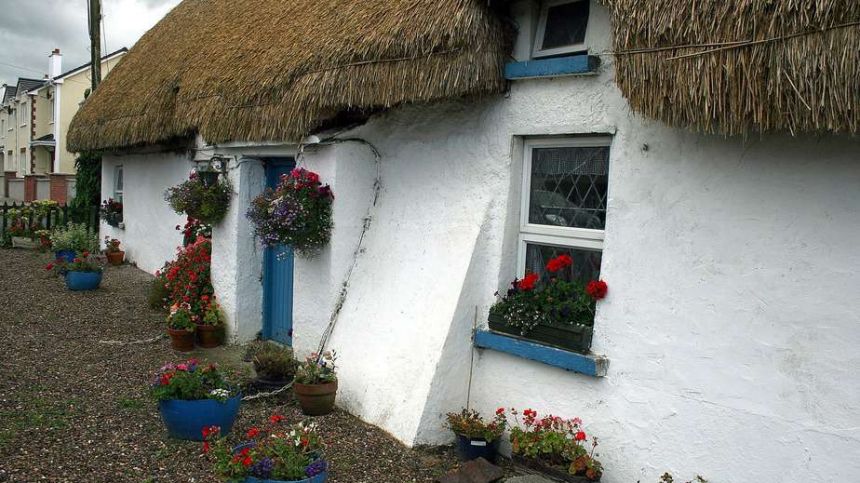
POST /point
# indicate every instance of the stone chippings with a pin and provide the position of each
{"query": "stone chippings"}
(74, 410)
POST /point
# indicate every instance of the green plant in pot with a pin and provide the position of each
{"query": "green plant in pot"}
(180, 327)
(273, 363)
(73, 238)
(476, 437)
(210, 326)
(207, 202)
(315, 385)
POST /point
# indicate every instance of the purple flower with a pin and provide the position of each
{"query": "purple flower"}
(263, 468)
(315, 468)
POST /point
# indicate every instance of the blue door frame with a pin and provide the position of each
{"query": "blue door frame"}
(278, 272)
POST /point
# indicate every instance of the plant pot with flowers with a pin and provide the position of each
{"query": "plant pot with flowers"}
(22, 228)
(210, 327)
(315, 385)
(111, 212)
(82, 273)
(114, 254)
(180, 327)
(298, 213)
(557, 447)
(274, 453)
(274, 364)
(206, 202)
(192, 396)
(477, 438)
(557, 311)
(72, 239)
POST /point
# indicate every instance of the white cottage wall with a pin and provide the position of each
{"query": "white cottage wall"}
(149, 237)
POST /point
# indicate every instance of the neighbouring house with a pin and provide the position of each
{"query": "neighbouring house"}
(35, 121)
(702, 158)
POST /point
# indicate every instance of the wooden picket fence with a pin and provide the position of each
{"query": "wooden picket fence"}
(57, 216)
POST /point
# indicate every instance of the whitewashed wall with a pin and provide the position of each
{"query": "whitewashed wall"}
(150, 237)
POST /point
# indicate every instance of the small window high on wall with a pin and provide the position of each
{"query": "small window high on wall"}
(565, 193)
(561, 28)
(117, 183)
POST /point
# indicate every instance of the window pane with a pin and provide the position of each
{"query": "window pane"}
(569, 186)
(565, 25)
(119, 178)
(586, 263)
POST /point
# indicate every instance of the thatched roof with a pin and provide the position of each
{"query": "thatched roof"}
(741, 66)
(259, 70)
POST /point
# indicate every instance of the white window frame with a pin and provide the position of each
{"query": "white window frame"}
(559, 236)
(22, 114)
(117, 170)
(538, 50)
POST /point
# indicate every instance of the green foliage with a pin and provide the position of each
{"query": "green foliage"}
(470, 424)
(180, 318)
(88, 186)
(158, 293)
(272, 361)
(317, 370)
(190, 381)
(74, 236)
(206, 203)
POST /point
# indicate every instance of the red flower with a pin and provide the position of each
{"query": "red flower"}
(596, 289)
(276, 418)
(528, 282)
(580, 436)
(247, 461)
(252, 433)
(500, 411)
(49, 267)
(244, 451)
(165, 378)
(76, 260)
(210, 431)
(86, 254)
(205, 446)
(558, 263)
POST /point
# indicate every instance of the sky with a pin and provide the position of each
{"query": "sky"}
(31, 29)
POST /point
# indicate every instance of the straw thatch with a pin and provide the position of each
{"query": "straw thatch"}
(741, 66)
(261, 70)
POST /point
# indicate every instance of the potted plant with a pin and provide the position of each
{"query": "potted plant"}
(82, 273)
(205, 202)
(275, 453)
(315, 385)
(554, 446)
(273, 363)
(114, 255)
(558, 311)
(298, 213)
(44, 239)
(67, 241)
(477, 438)
(111, 212)
(180, 327)
(192, 396)
(210, 326)
(22, 227)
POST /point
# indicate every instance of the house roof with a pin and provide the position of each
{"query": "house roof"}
(741, 67)
(27, 85)
(269, 70)
(87, 65)
(9, 93)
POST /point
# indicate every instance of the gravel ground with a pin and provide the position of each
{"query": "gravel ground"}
(73, 409)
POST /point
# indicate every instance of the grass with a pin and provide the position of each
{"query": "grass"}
(43, 414)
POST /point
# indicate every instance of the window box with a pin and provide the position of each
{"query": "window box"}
(569, 337)
(113, 219)
(550, 471)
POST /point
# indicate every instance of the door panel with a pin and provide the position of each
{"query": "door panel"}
(278, 272)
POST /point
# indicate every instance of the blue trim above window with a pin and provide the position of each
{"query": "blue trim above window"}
(558, 66)
(587, 364)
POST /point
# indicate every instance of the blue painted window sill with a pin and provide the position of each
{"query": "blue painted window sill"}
(559, 66)
(588, 364)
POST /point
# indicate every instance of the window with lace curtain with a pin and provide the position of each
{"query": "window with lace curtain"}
(565, 192)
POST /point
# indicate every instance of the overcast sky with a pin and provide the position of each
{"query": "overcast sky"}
(31, 29)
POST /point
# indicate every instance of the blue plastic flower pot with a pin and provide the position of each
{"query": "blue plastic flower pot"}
(186, 419)
(67, 256)
(470, 449)
(320, 478)
(83, 280)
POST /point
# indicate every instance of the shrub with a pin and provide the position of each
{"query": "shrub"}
(190, 381)
(207, 203)
(317, 370)
(74, 236)
(272, 361)
(88, 186)
(158, 293)
(556, 442)
(187, 279)
(298, 213)
(470, 424)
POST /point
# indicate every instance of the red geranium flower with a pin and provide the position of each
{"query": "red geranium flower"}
(596, 289)
(528, 282)
(500, 411)
(205, 446)
(580, 436)
(252, 433)
(247, 461)
(559, 263)
(276, 418)
(49, 267)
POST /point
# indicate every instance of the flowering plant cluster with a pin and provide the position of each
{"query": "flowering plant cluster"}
(190, 381)
(298, 213)
(85, 262)
(192, 230)
(27, 220)
(74, 236)
(556, 442)
(316, 369)
(273, 452)
(111, 211)
(187, 279)
(180, 317)
(470, 424)
(202, 201)
(559, 300)
(112, 245)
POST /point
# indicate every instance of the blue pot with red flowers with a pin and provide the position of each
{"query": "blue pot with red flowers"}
(192, 397)
(80, 281)
(477, 437)
(67, 256)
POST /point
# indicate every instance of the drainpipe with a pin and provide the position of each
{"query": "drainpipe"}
(55, 68)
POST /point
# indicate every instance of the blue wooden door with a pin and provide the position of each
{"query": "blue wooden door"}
(278, 273)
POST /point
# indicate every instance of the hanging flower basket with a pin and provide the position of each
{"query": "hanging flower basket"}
(207, 202)
(298, 213)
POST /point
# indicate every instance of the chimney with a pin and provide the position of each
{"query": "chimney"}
(55, 64)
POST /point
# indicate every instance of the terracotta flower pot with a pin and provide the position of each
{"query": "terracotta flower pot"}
(208, 336)
(316, 399)
(115, 258)
(181, 340)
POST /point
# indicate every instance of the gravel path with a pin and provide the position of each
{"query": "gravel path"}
(72, 409)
